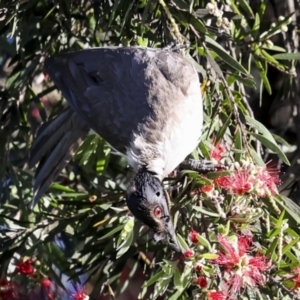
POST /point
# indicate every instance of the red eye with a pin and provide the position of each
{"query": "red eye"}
(157, 212)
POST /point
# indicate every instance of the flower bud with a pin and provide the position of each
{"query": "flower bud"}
(189, 253)
(211, 8)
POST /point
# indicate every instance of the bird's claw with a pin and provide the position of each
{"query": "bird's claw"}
(204, 165)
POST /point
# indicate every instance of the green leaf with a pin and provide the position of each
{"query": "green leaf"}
(215, 175)
(290, 206)
(125, 238)
(205, 212)
(182, 242)
(127, 242)
(272, 146)
(273, 48)
(112, 232)
(257, 158)
(261, 128)
(226, 58)
(154, 279)
(270, 59)
(224, 128)
(287, 56)
(204, 242)
(256, 25)
(113, 12)
(62, 188)
(176, 295)
(274, 232)
(289, 246)
(203, 181)
(292, 257)
(204, 150)
(210, 255)
(263, 75)
(246, 7)
(238, 144)
(271, 250)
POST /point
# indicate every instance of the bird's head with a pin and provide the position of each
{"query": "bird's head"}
(148, 202)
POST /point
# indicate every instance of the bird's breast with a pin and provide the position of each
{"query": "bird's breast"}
(163, 147)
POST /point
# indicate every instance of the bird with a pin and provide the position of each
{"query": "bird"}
(145, 102)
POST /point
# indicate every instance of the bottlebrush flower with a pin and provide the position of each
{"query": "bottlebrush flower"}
(248, 178)
(241, 182)
(188, 253)
(266, 181)
(46, 283)
(201, 281)
(214, 295)
(25, 267)
(193, 235)
(223, 182)
(198, 267)
(7, 290)
(295, 277)
(79, 293)
(244, 270)
(208, 189)
(217, 152)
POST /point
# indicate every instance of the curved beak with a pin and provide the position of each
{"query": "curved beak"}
(168, 237)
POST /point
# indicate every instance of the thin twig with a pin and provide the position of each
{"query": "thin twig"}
(172, 20)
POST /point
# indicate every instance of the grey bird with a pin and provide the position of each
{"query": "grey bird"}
(146, 103)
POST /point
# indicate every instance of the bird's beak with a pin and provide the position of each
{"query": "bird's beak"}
(168, 237)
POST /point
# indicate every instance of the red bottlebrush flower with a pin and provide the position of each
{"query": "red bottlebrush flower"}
(224, 182)
(201, 281)
(79, 293)
(188, 253)
(214, 295)
(244, 269)
(193, 235)
(7, 290)
(295, 277)
(25, 267)
(217, 152)
(46, 283)
(208, 189)
(35, 112)
(241, 182)
(266, 181)
(198, 268)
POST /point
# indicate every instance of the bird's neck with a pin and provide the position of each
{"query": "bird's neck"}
(144, 175)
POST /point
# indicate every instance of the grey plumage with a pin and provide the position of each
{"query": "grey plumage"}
(144, 102)
(56, 143)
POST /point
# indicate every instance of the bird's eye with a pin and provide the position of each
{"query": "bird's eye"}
(157, 212)
(157, 194)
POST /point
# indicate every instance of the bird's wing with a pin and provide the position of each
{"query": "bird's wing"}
(119, 90)
(55, 144)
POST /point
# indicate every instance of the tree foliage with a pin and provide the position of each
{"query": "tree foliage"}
(234, 221)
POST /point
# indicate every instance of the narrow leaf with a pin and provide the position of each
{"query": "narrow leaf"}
(270, 145)
(222, 53)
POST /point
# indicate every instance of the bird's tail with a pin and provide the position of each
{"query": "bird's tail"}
(55, 144)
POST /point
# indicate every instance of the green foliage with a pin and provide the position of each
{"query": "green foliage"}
(85, 209)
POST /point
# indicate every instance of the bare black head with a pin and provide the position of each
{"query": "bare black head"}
(147, 201)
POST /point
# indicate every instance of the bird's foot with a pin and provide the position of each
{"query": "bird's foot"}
(175, 46)
(203, 165)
